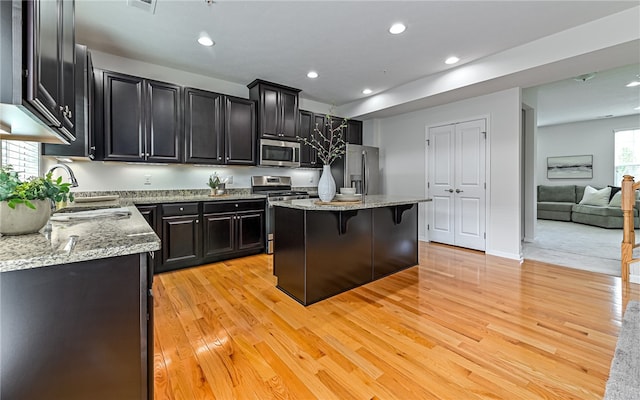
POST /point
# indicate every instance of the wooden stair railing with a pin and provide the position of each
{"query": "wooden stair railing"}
(629, 188)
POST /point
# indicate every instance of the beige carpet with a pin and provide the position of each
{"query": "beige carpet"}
(576, 246)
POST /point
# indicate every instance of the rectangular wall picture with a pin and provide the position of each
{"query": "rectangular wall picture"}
(570, 167)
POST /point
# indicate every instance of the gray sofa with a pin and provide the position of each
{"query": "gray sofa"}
(560, 203)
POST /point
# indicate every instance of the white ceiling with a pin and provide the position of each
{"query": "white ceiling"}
(348, 44)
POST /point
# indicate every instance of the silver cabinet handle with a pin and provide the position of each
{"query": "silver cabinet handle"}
(181, 208)
(449, 190)
(236, 205)
(197, 221)
(459, 191)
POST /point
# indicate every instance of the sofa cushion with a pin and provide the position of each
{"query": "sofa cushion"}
(557, 193)
(554, 206)
(616, 200)
(614, 190)
(595, 197)
(602, 211)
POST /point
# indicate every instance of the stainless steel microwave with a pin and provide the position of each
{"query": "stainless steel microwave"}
(279, 153)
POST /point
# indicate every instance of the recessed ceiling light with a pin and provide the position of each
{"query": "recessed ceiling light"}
(205, 40)
(397, 28)
(451, 60)
(367, 91)
(633, 84)
(312, 74)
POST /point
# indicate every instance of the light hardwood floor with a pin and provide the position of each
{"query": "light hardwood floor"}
(460, 325)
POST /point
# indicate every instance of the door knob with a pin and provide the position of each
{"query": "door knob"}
(459, 191)
(449, 190)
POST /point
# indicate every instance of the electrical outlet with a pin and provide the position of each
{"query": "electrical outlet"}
(230, 179)
(147, 179)
(311, 179)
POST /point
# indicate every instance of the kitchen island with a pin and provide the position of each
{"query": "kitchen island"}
(324, 249)
(76, 309)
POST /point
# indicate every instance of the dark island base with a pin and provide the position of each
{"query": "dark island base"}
(319, 254)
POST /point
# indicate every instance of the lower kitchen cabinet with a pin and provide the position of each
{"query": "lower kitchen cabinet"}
(76, 331)
(180, 236)
(195, 233)
(232, 229)
(150, 214)
(395, 243)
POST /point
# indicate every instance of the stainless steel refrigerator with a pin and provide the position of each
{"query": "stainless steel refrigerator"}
(359, 167)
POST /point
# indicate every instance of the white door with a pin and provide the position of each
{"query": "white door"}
(457, 184)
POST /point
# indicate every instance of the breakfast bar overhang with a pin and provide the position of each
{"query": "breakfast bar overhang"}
(322, 250)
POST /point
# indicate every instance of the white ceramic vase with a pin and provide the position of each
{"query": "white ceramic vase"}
(22, 219)
(326, 184)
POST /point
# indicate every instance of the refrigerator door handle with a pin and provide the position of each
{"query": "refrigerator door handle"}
(365, 174)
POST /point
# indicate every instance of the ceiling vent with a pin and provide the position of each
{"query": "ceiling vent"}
(147, 5)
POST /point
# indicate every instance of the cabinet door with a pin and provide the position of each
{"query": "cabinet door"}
(354, 132)
(163, 122)
(44, 86)
(318, 121)
(123, 117)
(306, 128)
(180, 241)
(218, 234)
(67, 60)
(288, 114)
(203, 127)
(240, 131)
(269, 111)
(250, 230)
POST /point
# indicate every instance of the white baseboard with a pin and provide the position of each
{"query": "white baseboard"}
(502, 254)
(634, 278)
(423, 238)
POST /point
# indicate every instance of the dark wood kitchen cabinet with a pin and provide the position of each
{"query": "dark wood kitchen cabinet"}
(277, 109)
(240, 131)
(308, 155)
(51, 63)
(219, 129)
(353, 132)
(395, 244)
(181, 235)
(141, 119)
(82, 330)
(204, 127)
(150, 214)
(84, 145)
(232, 229)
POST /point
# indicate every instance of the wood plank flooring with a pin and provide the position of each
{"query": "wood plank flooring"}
(460, 325)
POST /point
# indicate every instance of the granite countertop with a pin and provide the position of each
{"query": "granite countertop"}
(373, 201)
(190, 198)
(95, 238)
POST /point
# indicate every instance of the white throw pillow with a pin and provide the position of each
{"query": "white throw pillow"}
(595, 197)
(616, 200)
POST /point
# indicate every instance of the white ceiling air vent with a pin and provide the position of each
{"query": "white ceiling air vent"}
(147, 5)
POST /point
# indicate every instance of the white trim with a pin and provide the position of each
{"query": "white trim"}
(502, 254)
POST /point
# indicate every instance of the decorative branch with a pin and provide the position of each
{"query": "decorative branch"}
(330, 146)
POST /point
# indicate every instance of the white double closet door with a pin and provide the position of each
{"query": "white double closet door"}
(457, 185)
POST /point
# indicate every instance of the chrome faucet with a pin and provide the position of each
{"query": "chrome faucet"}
(72, 177)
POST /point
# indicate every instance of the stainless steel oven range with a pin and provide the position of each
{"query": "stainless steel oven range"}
(276, 188)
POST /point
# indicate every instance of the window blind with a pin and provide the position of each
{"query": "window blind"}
(23, 156)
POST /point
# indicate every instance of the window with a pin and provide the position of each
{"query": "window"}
(23, 156)
(627, 154)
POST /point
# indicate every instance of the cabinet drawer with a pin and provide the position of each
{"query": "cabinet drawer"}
(179, 209)
(233, 206)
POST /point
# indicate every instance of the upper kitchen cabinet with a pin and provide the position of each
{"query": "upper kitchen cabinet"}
(219, 129)
(50, 62)
(308, 123)
(84, 145)
(204, 136)
(240, 131)
(141, 119)
(277, 109)
(353, 132)
(38, 69)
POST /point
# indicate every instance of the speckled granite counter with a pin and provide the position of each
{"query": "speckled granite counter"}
(374, 201)
(189, 198)
(94, 239)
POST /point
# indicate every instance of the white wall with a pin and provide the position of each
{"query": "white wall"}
(99, 175)
(138, 68)
(402, 142)
(582, 138)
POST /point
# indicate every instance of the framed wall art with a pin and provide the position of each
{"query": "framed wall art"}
(570, 167)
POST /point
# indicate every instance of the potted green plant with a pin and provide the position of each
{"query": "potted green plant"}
(25, 206)
(216, 185)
